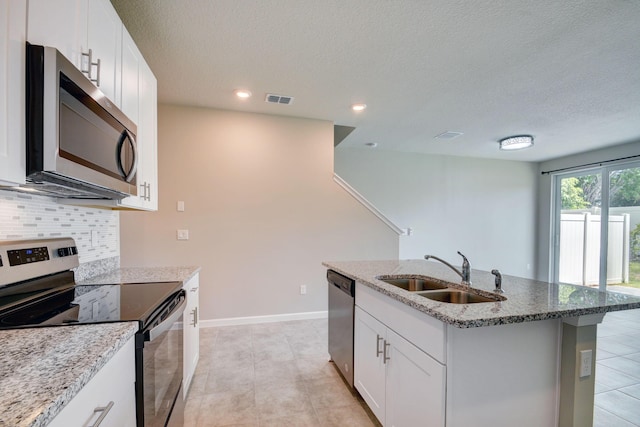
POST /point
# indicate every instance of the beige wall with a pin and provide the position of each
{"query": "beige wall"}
(261, 207)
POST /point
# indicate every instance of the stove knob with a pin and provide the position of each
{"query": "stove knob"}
(74, 250)
(63, 252)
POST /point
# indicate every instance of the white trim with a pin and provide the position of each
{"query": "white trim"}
(233, 321)
(367, 204)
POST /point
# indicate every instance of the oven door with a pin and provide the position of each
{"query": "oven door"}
(161, 356)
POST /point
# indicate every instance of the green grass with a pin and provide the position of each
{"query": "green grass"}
(634, 275)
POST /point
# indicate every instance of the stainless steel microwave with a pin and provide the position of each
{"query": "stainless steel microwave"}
(79, 144)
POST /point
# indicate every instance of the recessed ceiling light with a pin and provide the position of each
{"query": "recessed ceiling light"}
(517, 142)
(242, 93)
(359, 107)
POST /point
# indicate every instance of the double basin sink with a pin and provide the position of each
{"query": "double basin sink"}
(440, 290)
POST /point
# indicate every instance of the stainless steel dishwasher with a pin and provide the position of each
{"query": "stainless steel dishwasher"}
(342, 292)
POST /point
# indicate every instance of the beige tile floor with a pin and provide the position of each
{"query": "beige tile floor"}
(273, 374)
(278, 374)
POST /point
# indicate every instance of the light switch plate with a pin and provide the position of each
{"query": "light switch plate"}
(183, 234)
(180, 206)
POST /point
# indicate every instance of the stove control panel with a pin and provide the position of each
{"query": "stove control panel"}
(22, 260)
(26, 256)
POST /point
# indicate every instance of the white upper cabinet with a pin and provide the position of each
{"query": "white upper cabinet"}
(61, 24)
(13, 27)
(104, 35)
(91, 35)
(87, 32)
(139, 103)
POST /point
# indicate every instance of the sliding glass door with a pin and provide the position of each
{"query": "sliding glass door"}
(597, 228)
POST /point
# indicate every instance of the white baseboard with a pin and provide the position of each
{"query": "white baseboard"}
(233, 321)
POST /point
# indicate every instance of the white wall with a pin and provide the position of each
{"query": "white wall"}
(262, 211)
(545, 183)
(484, 208)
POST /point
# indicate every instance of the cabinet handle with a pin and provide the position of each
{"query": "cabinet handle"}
(194, 312)
(378, 351)
(91, 64)
(84, 55)
(384, 356)
(105, 410)
(148, 191)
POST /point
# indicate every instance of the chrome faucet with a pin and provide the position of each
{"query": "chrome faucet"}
(465, 274)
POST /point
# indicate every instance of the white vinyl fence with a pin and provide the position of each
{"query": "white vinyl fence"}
(580, 249)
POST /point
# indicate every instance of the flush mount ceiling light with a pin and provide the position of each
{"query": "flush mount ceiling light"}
(242, 93)
(358, 107)
(517, 142)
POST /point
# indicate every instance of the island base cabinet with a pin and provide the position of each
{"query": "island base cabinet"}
(415, 386)
(110, 394)
(504, 375)
(402, 385)
(368, 365)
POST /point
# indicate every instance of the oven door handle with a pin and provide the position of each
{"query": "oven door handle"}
(167, 323)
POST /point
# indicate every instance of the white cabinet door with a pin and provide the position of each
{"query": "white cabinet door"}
(415, 387)
(112, 387)
(131, 63)
(104, 36)
(369, 365)
(61, 24)
(13, 27)
(75, 26)
(191, 331)
(140, 104)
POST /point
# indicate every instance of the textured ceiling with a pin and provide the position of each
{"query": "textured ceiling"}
(565, 71)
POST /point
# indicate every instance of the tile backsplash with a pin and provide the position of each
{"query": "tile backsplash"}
(96, 231)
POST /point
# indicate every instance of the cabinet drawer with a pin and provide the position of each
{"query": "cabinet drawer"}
(425, 332)
(115, 382)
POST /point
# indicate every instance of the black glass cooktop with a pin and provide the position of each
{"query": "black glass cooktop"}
(67, 303)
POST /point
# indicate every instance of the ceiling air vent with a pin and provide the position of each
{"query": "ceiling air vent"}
(448, 135)
(278, 99)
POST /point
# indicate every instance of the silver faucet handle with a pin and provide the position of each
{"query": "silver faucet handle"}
(466, 270)
(498, 288)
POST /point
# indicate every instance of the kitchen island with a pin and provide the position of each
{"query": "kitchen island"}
(502, 363)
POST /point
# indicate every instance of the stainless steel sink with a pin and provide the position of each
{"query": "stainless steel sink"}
(454, 296)
(413, 284)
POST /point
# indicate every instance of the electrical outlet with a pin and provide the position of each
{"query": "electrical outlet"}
(183, 234)
(586, 360)
(303, 289)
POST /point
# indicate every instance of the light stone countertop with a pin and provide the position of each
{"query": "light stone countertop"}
(42, 369)
(527, 300)
(143, 275)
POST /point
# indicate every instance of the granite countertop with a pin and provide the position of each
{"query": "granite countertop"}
(143, 275)
(527, 300)
(42, 369)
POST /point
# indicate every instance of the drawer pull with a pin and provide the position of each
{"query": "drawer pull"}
(194, 312)
(378, 351)
(384, 356)
(105, 410)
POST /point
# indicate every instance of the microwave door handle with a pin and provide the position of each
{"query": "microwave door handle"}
(126, 135)
(167, 323)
